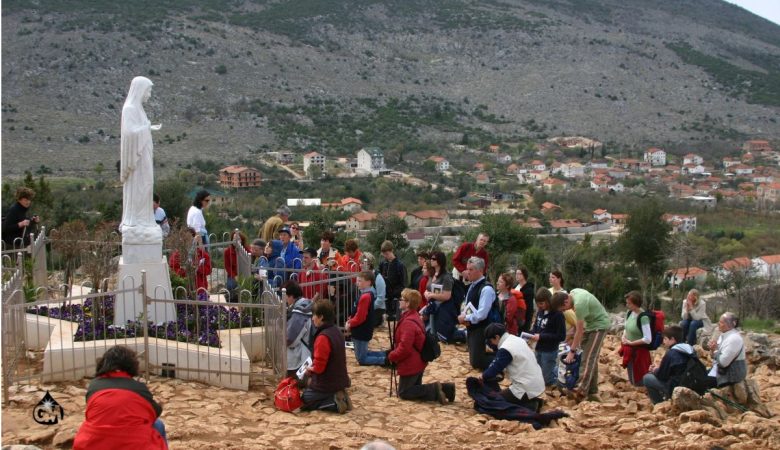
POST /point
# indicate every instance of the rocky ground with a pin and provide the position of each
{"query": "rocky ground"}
(204, 417)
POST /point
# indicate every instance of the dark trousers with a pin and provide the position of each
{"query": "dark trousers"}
(478, 357)
(410, 387)
(525, 402)
(318, 400)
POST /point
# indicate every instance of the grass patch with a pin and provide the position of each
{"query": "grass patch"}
(761, 325)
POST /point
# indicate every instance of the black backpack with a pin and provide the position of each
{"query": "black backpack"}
(695, 376)
(430, 349)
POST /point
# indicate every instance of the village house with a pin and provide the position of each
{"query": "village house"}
(676, 277)
(285, 157)
(537, 165)
(573, 170)
(756, 145)
(370, 161)
(692, 158)
(737, 267)
(598, 164)
(741, 169)
(442, 165)
(692, 169)
(565, 225)
(729, 161)
(554, 184)
(600, 183)
(619, 219)
(680, 223)
(601, 215)
(349, 204)
(549, 208)
(616, 186)
(482, 178)
(767, 266)
(630, 164)
(532, 222)
(655, 156)
(239, 177)
(504, 158)
(313, 159)
(426, 218)
(556, 168)
(513, 169)
(361, 221)
(768, 193)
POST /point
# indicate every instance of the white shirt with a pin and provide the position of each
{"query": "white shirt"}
(729, 343)
(524, 371)
(195, 219)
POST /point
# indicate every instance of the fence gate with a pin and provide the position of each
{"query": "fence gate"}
(13, 335)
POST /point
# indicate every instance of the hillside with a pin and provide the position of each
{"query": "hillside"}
(240, 77)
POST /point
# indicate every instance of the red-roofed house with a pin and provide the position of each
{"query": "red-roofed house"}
(554, 184)
(565, 225)
(239, 177)
(680, 223)
(548, 207)
(426, 218)
(742, 263)
(768, 266)
(677, 276)
(757, 145)
(602, 215)
(313, 159)
(361, 221)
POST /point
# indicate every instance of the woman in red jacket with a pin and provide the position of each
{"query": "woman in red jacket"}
(409, 339)
(231, 259)
(121, 412)
(512, 304)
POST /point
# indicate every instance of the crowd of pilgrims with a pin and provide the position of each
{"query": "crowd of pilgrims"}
(516, 336)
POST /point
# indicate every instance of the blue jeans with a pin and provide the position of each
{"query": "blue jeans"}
(160, 427)
(366, 357)
(548, 361)
(657, 390)
(689, 330)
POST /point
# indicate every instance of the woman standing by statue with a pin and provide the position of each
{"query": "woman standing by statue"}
(136, 167)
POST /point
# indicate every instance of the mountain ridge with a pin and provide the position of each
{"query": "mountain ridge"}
(697, 74)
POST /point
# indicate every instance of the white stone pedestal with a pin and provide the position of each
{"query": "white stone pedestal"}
(129, 305)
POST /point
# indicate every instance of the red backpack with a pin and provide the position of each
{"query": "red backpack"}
(287, 396)
(657, 318)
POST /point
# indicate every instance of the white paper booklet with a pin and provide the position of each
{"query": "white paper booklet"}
(302, 370)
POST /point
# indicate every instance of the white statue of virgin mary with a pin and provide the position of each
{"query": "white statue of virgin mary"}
(136, 168)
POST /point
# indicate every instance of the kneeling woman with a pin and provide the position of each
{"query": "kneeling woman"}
(121, 412)
(328, 372)
(409, 339)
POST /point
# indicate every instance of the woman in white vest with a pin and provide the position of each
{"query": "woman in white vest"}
(515, 356)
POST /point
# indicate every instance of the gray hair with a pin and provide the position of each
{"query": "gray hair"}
(377, 445)
(730, 318)
(477, 262)
(283, 210)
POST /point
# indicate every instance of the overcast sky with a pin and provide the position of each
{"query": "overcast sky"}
(768, 9)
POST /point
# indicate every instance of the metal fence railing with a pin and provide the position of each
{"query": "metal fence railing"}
(13, 332)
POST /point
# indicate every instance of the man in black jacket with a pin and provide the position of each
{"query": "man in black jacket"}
(16, 225)
(394, 273)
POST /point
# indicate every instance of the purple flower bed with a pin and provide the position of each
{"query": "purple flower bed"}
(194, 324)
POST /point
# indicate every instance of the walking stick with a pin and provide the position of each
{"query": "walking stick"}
(390, 329)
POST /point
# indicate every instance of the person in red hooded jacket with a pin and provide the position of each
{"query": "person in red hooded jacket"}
(409, 339)
(121, 412)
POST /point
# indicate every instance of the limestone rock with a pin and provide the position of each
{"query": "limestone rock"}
(64, 437)
(40, 436)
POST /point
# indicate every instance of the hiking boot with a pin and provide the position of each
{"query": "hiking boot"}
(441, 397)
(449, 391)
(348, 399)
(342, 401)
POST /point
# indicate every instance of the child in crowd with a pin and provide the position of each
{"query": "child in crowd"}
(661, 381)
(361, 322)
(548, 331)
